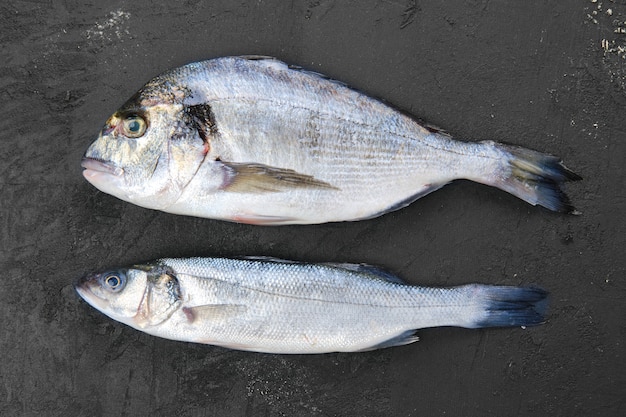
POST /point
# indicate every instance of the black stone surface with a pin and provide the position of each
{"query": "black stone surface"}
(546, 75)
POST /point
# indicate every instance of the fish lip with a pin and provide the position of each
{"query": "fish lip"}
(94, 166)
(83, 287)
(80, 285)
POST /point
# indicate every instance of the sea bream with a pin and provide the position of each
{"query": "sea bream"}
(254, 140)
(277, 306)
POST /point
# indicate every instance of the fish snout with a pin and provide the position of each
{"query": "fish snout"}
(104, 175)
(84, 284)
(91, 288)
(95, 166)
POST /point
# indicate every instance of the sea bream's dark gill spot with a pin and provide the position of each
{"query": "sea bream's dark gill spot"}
(202, 119)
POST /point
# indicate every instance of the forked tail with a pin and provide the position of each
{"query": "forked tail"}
(535, 177)
(509, 306)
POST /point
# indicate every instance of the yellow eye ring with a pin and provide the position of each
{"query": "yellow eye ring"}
(134, 126)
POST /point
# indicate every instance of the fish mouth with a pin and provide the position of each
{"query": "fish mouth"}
(83, 287)
(79, 287)
(94, 167)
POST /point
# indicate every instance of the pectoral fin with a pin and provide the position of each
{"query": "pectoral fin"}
(213, 312)
(259, 178)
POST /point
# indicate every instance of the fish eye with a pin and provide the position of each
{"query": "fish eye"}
(134, 126)
(114, 282)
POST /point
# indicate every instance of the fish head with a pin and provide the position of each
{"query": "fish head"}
(116, 293)
(149, 149)
(141, 296)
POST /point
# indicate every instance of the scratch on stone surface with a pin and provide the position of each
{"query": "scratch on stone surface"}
(127, 394)
(408, 15)
(482, 342)
(313, 4)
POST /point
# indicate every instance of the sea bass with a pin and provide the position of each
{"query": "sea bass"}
(276, 306)
(254, 140)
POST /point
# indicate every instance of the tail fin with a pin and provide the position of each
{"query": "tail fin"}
(511, 306)
(536, 178)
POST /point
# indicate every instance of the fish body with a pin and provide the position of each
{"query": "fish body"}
(254, 140)
(277, 306)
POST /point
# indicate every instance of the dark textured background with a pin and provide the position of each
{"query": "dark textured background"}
(549, 75)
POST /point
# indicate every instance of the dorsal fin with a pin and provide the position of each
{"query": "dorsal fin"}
(372, 271)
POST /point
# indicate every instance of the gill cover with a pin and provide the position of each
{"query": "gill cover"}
(161, 298)
(153, 145)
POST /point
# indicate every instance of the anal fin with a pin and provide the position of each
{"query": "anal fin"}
(263, 220)
(403, 338)
(426, 189)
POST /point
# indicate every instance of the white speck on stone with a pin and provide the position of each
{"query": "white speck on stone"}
(111, 29)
